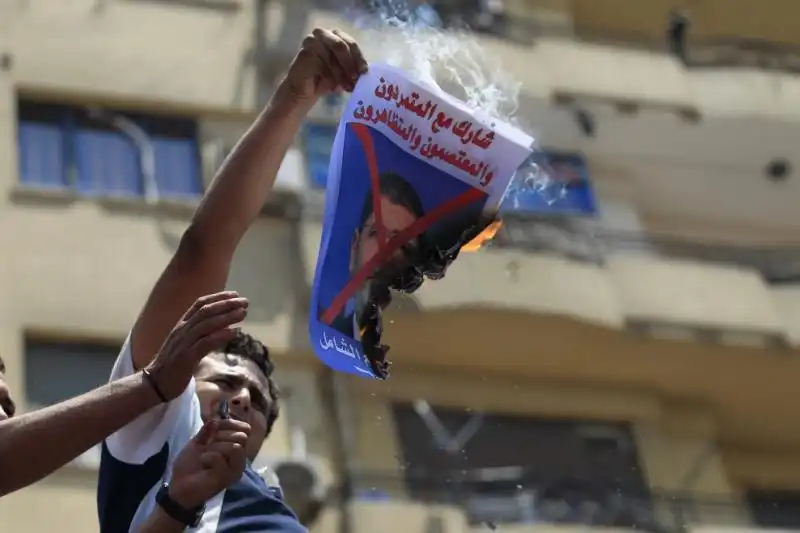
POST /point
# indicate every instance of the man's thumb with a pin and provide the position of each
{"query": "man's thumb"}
(206, 433)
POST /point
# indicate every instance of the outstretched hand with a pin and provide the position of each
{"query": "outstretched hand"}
(208, 325)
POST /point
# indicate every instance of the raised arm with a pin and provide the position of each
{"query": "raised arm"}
(35, 444)
(328, 61)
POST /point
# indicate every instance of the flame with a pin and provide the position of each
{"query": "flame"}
(483, 237)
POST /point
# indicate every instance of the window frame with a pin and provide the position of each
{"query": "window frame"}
(76, 177)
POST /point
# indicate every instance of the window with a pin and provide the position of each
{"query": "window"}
(557, 183)
(775, 509)
(96, 153)
(516, 469)
(56, 371)
(318, 144)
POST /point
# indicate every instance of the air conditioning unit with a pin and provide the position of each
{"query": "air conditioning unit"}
(299, 479)
(300, 486)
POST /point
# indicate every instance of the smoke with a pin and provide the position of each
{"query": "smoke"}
(409, 36)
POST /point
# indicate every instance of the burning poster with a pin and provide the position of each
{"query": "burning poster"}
(414, 176)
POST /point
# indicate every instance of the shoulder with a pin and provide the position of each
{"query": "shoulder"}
(173, 423)
(251, 505)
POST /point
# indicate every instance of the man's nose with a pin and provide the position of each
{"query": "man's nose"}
(240, 402)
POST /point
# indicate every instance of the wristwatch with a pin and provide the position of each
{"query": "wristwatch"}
(187, 517)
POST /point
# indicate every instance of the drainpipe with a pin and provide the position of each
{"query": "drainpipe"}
(343, 422)
(135, 133)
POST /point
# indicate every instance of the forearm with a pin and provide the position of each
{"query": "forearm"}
(35, 444)
(230, 206)
(241, 186)
(160, 522)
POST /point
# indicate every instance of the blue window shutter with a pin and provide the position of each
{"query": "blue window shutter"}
(42, 161)
(318, 144)
(318, 169)
(108, 164)
(177, 163)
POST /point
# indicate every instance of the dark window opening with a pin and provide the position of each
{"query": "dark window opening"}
(775, 509)
(513, 469)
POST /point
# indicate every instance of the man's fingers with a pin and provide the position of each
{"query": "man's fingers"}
(227, 460)
(340, 50)
(227, 449)
(210, 324)
(323, 47)
(213, 461)
(232, 425)
(206, 433)
(231, 437)
(208, 299)
(211, 317)
(212, 342)
(219, 307)
(315, 51)
(355, 52)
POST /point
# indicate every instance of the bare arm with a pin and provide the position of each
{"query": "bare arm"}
(231, 204)
(34, 445)
(327, 62)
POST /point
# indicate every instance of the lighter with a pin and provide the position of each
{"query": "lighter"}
(224, 412)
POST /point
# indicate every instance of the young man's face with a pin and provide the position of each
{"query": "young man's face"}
(240, 382)
(396, 218)
(7, 406)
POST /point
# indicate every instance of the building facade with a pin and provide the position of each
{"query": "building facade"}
(649, 349)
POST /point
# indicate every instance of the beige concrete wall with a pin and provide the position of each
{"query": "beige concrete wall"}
(71, 505)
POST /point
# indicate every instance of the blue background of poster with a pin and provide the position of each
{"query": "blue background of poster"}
(342, 219)
(572, 188)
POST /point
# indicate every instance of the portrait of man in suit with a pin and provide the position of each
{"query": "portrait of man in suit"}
(400, 207)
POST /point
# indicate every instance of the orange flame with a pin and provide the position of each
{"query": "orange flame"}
(483, 237)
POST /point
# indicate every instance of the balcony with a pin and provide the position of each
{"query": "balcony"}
(660, 286)
(77, 48)
(455, 504)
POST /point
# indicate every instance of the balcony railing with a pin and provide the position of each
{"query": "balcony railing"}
(528, 26)
(584, 241)
(505, 496)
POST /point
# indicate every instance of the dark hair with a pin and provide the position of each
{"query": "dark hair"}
(248, 347)
(397, 190)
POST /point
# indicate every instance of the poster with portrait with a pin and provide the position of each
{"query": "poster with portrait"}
(410, 164)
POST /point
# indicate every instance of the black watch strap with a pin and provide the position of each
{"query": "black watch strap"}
(187, 517)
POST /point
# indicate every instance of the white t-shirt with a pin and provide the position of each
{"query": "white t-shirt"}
(138, 459)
